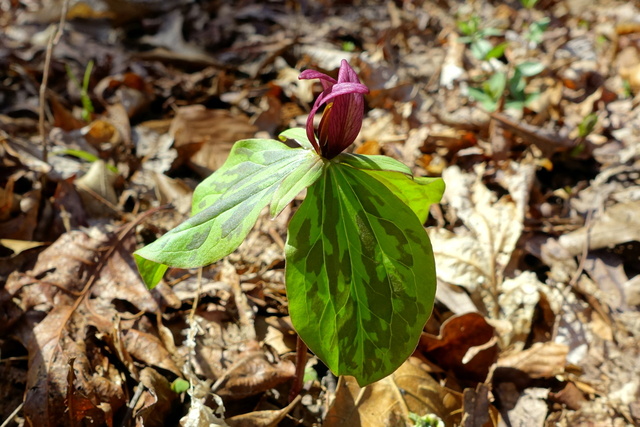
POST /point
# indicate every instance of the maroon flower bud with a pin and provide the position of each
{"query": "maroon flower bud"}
(342, 117)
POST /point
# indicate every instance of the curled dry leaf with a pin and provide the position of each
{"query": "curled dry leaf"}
(518, 302)
(52, 344)
(478, 412)
(204, 137)
(80, 406)
(389, 401)
(58, 272)
(619, 224)
(149, 349)
(128, 89)
(253, 374)
(263, 418)
(542, 360)
(22, 225)
(477, 258)
(530, 408)
(119, 281)
(569, 395)
(97, 191)
(157, 399)
(456, 348)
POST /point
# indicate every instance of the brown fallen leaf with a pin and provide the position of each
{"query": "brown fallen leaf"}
(96, 190)
(459, 335)
(58, 272)
(156, 401)
(569, 395)
(477, 410)
(204, 137)
(149, 349)
(619, 224)
(542, 360)
(389, 401)
(19, 246)
(251, 374)
(262, 418)
(80, 407)
(22, 225)
(52, 343)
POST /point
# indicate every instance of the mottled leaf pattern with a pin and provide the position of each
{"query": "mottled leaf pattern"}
(226, 205)
(373, 162)
(299, 135)
(360, 274)
(417, 193)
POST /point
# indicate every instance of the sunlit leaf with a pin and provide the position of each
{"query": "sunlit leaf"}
(226, 205)
(373, 162)
(417, 193)
(360, 274)
(530, 68)
(299, 135)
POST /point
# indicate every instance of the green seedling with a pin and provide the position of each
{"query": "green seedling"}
(587, 125)
(528, 4)
(87, 105)
(348, 46)
(429, 420)
(477, 39)
(81, 154)
(536, 30)
(360, 273)
(513, 88)
(180, 386)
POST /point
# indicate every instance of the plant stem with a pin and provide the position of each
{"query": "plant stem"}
(301, 363)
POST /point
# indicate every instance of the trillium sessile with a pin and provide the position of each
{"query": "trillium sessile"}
(359, 272)
(342, 117)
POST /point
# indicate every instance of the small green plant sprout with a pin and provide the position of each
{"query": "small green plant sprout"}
(360, 273)
(528, 4)
(87, 105)
(536, 30)
(587, 125)
(348, 46)
(476, 38)
(428, 420)
(498, 85)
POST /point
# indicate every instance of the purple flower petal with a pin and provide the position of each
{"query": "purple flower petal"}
(342, 118)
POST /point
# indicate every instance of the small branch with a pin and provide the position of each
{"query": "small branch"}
(132, 405)
(53, 40)
(12, 415)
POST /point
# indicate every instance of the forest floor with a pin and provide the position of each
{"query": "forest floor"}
(529, 111)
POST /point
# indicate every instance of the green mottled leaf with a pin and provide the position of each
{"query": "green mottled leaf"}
(150, 271)
(299, 135)
(418, 193)
(360, 274)
(371, 162)
(226, 205)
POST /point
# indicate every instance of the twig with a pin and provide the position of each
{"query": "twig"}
(585, 250)
(132, 404)
(53, 40)
(193, 327)
(12, 415)
(301, 363)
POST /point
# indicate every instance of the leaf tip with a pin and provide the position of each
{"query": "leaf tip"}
(150, 271)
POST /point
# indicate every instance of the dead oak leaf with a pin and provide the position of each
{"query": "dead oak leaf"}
(390, 400)
(542, 360)
(149, 349)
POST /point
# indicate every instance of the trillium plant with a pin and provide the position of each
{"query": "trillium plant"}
(359, 272)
